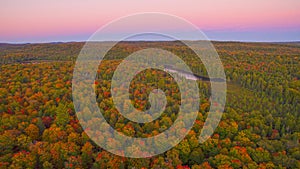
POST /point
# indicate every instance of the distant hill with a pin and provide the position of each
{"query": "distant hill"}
(12, 53)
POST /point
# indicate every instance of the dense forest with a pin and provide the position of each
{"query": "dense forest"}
(260, 127)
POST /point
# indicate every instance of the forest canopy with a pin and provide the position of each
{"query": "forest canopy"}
(260, 127)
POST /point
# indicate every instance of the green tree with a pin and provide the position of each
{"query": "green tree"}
(62, 115)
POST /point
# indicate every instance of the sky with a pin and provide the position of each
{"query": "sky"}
(33, 21)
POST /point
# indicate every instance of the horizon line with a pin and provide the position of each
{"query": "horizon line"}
(212, 40)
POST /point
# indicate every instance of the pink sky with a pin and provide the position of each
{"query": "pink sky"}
(38, 20)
